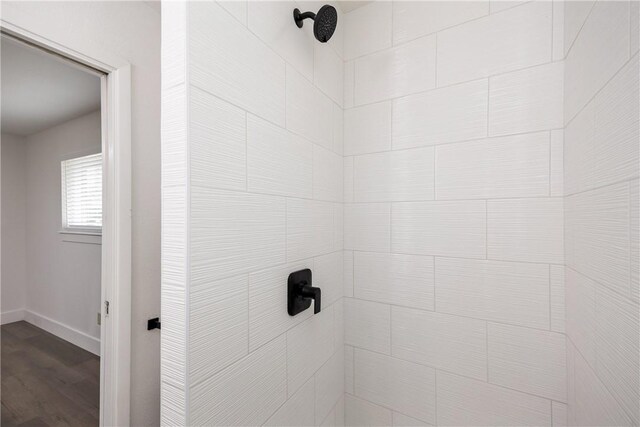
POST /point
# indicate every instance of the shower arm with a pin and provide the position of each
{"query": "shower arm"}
(301, 16)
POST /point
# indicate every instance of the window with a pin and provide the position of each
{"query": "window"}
(82, 194)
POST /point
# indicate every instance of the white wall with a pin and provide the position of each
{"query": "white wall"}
(601, 159)
(454, 214)
(252, 191)
(14, 238)
(63, 270)
(129, 30)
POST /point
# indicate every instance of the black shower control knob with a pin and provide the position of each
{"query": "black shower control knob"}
(300, 292)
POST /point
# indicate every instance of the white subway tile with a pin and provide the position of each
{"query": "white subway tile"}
(581, 313)
(526, 101)
(530, 360)
(338, 324)
(359, 412)
(329, 385)
(618, 348)
(511, 166)
(367, 129)
(412, 19)
(513, 39)
(635, 27)
(271, 22)
(500, 5)
(557, 297)
(450, 114)
(328, 73)
(348, 369)
(558, 30)
(634, 225)
(452, 343)
(238, 9)
(599, 51)
(601, 142)
(217, 133)
(348, 179)
(349, 83)
(310, 228)
(525, 230)
(234, 233)
(507, 292)
(394, 279)
(556, 167)
(575, 13)
(367, 227)
(328, 182)
(402, 386)
(467, 402)
(327, 275)
(309, 111)
(232, 63)
(597, 235)
(367, 29)
(348, 273)
(559, 414)
(298, 410)
(400, 420)
(338, 226)
(405, 175)
(456, 228)
(268, 315)
(278, 161)
(338, 130)
(225, 399)
(223, 303)
(399, 71)
(367, 325)
(309, 345)
(594, 404)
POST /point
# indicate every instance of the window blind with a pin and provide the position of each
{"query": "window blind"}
(82, 193)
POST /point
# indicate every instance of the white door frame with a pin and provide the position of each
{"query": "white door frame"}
(115, 330)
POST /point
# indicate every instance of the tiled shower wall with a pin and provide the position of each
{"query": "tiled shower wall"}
(601, 212)
(252, 190)
(454, 214)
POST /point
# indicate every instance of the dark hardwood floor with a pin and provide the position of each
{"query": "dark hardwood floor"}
(46, 381)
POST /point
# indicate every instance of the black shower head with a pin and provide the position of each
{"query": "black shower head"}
(324, 24)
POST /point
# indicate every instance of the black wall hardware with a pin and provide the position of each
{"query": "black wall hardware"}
(325, 21)
(300, 293)
(153, 323)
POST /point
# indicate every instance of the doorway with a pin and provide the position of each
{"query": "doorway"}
(51, 237)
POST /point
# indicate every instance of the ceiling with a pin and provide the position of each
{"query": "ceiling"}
(40, 90)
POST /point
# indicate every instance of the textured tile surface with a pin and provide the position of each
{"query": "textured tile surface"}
(397, 279)
(511, 166)
(298, 410)
(367, 29)
(367, 325)
(529, 360)
(395, 72)
(225, 399)
(450, 114)
(465, 402)
(452, 343)
(527, 100)
(514, 39)
(403, 386)
(367, 129)
(367, 226)
(310, 228)
(359, 412)
(528, 230)
(440, 228)
(405, 175)
(507, 292)
(278, 162)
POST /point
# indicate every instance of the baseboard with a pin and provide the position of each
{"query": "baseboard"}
(12, 316)
(63, 331)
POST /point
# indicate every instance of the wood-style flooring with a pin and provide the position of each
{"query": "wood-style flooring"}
(46, 381)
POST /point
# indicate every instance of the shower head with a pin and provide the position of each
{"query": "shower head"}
(324, 24)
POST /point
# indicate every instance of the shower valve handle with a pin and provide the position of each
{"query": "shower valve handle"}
(308, 291)
(300, 292)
